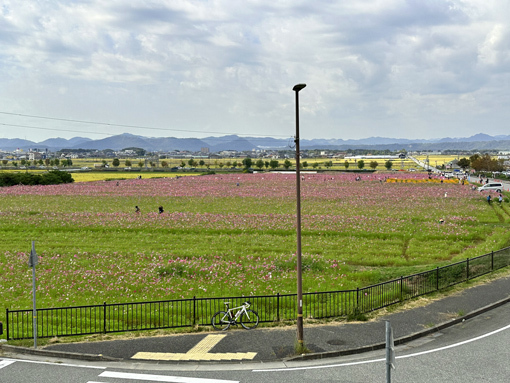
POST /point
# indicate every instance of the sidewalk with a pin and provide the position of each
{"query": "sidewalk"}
(274, 344)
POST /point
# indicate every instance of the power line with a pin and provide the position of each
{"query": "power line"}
(58, 130)
(117, 125)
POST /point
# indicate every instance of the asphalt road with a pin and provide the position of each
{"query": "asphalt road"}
(473, 351)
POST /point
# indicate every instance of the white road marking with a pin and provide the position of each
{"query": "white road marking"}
(56, 364)
(5, 363)
(161, 378)
(384, 359)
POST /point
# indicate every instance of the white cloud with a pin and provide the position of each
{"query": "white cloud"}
(402, 68)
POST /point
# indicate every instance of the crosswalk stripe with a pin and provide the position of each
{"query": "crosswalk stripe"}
(161, 378)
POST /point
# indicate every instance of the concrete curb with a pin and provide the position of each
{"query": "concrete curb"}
(57, 354)
(405, 339)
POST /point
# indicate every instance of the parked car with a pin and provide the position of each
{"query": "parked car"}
(498, 186)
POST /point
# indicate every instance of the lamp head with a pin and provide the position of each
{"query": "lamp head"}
(298, 87)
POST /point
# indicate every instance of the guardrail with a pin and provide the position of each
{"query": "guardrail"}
(138, 316)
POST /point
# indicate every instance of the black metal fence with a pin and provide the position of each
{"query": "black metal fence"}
(121, 317)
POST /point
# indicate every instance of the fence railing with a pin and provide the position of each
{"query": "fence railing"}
(138, 316)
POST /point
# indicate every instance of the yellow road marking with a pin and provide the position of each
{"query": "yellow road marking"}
(199, 352)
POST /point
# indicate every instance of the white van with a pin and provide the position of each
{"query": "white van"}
(498, 186)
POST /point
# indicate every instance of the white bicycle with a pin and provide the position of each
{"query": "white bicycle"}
(222, 320)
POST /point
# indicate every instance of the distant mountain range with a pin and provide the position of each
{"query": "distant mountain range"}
(233, 142)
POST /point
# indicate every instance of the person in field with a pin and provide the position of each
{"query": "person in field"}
(160, 209)
(137, 210)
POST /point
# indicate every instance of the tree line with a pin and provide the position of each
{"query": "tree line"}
(482, 162)
(53, 177)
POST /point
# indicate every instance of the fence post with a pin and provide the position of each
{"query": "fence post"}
(492, 260)
(277, 307)
(7, 322)
(194, 309)
(104, 317)
(437, 278)
(401, 289)
(357, 299)
(467, 269)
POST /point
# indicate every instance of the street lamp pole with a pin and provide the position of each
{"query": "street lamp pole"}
(296, 89)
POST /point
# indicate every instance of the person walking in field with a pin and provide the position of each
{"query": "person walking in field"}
(137, 210)
(489, 199)
(160, 209)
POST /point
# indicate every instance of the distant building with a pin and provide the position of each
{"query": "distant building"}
(35, 156)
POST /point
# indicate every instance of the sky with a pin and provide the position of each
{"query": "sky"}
(417, 69)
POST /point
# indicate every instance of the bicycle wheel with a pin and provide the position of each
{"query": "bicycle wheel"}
(250, 319)
(220, 321)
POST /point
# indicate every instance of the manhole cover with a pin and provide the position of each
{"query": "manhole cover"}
(335, 342)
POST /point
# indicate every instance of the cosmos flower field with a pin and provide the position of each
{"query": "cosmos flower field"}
(224, 235)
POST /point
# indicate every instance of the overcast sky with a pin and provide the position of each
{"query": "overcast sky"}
(197, 68)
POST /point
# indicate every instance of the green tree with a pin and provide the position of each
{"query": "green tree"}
(346, 164)
(315, 165)
(287, 164)
(5, 162)
(374, 164)
(266, 164)
(116, 162)
(235, 164)
(259, 164)
(388, 165)
(247, 163)
(183, 164)
(273, 164)
(23, 162)
(304, 164)
(201, 163)
(127, 163)
(463, 163)
(140, 164)
(164, 164)
(57, 162)
(64, 163)
(328, 164)
(486, 163)
(361, 164)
